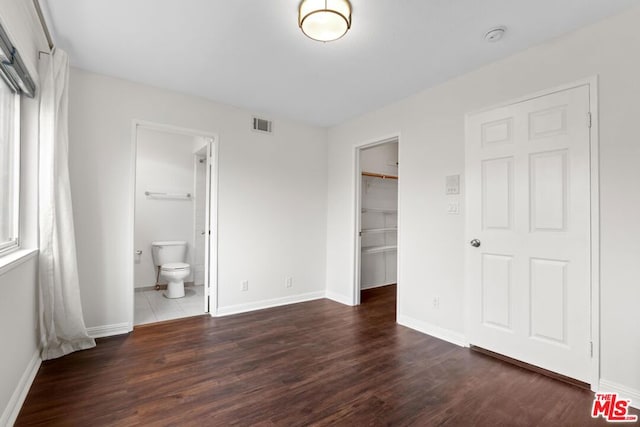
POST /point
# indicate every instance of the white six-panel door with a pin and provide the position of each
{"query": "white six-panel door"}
(528, 208)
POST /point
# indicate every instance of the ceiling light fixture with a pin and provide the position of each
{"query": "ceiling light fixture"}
(324, 20)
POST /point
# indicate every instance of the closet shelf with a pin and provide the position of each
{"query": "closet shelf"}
(377, 210)
(168, 196)
(378, 230)
(378, 249)
(378, 175)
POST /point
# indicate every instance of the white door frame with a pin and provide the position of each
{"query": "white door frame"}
(357, 173)
(213, 209)
(594, 143)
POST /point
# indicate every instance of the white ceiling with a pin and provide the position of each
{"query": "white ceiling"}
(251, 53)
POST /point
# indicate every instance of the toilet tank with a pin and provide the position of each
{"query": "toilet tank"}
(168, 251)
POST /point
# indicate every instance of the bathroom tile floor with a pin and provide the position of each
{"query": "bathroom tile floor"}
(152, 306)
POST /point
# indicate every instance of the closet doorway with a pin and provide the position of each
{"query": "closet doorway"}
(377, 216)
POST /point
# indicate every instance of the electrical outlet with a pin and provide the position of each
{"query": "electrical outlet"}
(436, 302)
(289, 282)
(244, 286)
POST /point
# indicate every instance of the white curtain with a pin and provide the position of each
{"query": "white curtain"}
(62, 328)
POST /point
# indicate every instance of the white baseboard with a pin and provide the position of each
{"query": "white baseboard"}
(260, 305)
(10, 413)
(433, 330)
(339, 298)
(109, 330)
(622, 390)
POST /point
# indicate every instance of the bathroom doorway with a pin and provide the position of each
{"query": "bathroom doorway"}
(174, 235)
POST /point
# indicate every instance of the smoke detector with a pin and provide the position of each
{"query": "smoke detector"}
(495, 34)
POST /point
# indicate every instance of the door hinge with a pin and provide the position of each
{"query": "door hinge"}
(589, 119)
(591, 347)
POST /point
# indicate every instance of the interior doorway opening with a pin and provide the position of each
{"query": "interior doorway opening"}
(174, 260)
(376, 216)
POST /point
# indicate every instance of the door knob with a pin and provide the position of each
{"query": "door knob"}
(475, 243)
(138, 252)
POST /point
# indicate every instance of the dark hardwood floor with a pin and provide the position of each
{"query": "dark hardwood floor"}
(317, 363)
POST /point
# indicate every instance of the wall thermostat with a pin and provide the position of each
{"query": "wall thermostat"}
(452, 185)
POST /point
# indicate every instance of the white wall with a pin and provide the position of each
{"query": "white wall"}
(431, 127)
(19, 320)
(272, 195)
(165, 164)
(18, 306)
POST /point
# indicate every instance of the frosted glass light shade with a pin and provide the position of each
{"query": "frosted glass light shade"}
(324, 20)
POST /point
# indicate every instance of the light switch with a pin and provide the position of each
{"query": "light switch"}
(453, 208)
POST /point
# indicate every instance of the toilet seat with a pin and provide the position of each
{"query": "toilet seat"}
(174, 266)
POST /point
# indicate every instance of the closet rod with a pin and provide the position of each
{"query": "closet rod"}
(379, 175)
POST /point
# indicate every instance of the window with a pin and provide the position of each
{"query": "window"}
(14, 80)
(9, 167)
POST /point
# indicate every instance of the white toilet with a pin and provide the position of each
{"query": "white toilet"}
(170, 257)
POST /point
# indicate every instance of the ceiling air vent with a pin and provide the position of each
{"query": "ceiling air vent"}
(262, 125)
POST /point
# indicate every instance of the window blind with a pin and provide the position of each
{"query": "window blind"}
(12, 68)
